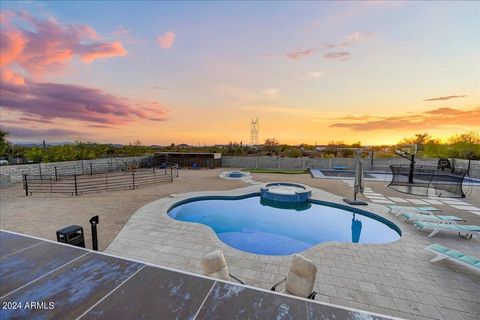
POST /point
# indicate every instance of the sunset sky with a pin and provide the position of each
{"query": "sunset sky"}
(197, 73)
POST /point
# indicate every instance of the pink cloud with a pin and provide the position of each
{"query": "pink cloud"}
(166, 40)
(431, 119)
(339, 56)
(298, 54)
(38, 47)
(103, 50)
(47, 46)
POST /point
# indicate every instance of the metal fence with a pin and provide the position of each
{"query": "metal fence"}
(92, 167)
(418, 181)
(79, 184)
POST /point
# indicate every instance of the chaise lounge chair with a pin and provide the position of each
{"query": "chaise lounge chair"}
(472, 230)
(453, 255)
(214, 265)
(300, 279)
(401, 209)
(429, 218)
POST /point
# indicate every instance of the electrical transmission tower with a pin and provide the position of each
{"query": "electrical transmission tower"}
(254, 132)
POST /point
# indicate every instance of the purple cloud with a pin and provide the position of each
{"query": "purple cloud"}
(39, 120)
(445, 98)
(22, 133)
(51, 100)
(339, 56)
(298, 54)
(101, 126)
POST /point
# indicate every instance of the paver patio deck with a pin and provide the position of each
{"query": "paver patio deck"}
(394, 279)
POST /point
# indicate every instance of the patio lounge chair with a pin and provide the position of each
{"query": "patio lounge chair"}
(401, 209)
(430, 218)
(453, 255)
(214, 265)
(300, 279)
(455, 228)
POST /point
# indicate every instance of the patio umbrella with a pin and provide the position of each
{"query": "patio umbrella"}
(356, 229)
(357, 185)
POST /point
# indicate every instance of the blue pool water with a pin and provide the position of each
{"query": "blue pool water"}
(254, 225)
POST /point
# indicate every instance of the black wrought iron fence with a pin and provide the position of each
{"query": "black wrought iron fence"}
(91, 167)
(79, 184)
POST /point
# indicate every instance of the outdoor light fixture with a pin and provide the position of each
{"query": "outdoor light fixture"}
(93, 222)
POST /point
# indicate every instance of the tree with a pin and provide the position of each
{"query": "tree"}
(470, 137)
(337, 144)
(35, 154)
(420, 139)
(293, 152)
(271, 145)
(4, 143)
(465, 145)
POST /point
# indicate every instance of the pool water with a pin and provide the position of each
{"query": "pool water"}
(258, 226)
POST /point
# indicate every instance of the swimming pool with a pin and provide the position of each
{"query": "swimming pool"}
(260, 226)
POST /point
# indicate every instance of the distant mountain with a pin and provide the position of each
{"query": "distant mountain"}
(40, 144)
(60, 143)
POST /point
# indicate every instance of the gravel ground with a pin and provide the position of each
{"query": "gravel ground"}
(42, 214)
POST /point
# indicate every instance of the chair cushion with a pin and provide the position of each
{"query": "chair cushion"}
(446, 251)
(454, 254)
(221, 274)
(438, 247)
(397, 207)
(470, 260)
(214, 265)
(409, 215)
(469, 227)
(431, 225)
(453, 218)
(301, 276)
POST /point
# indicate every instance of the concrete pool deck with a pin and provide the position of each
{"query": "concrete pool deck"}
(394, 279)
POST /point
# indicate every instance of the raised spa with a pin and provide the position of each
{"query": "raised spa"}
(236, 174)
(286, 192)
(262, 226)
